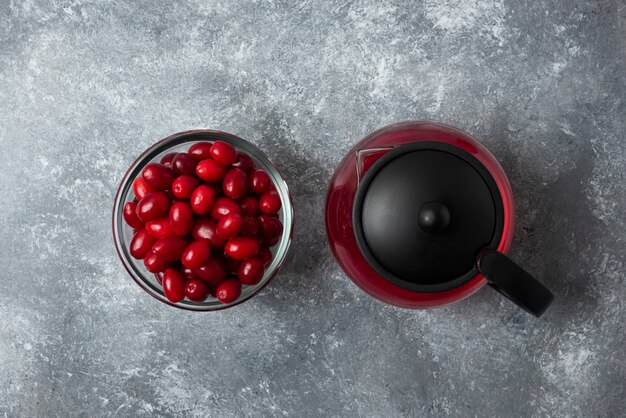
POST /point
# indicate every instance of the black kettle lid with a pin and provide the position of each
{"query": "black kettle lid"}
(422, 214)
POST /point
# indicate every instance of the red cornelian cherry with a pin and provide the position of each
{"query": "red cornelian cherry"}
(141, 244)
(153, 206)
(154, 263)
(228, 291)
(200, 151)
(260, 181)
(213, 271)
(173, 285)
(141, 188)
(159, 275)
(249, 206)
(244, 162)
(183, 164)
(170, 248)
(206, 228)
(229, 226)
(250, 226)
(130, 215)
(157, 176)
(270, 202)
(271, 227)
(196, 290)
(183, 186)
(202, 199)
(265, 254)
(224, 206)
(223, 153)
(210, 171)
(160, 228)
(196, 254)
(166, 160)
(181, 218)
(251, 271)
(235, 183)
(241, 248)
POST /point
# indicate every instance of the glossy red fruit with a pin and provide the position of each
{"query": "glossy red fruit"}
(166, 160)
(241, 248)
(210, 171)
(250, 226)
(271, 227)
(173, 285)
(141, 244)
(224, 206)
(183, 186)
(213, 271)
(249, 206)
(200, 151)
(183, 165)
(160, 228)
(269, 202)
(251, 271)
(159, 277)
(206, 228)
(229, 226)
(244, 162)
(153, 206)
(141, 188)
(224, 153)
(202, 199)
(260, 182)
(196, 290)
(154, 263)
(130, 215)
(196, 254)
(228, 291)
(157, 176)
(181, 218)
(235, 183)
(265, 254)
(170, 248)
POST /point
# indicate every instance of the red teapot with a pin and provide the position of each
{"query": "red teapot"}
(420, 215)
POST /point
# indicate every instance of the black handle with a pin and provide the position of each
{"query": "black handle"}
(513, 282)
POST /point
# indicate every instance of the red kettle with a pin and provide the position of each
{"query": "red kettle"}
(420, 215)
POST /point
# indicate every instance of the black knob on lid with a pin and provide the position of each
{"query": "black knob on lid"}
(433, 217)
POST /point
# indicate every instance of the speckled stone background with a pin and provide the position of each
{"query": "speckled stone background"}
(86, 85)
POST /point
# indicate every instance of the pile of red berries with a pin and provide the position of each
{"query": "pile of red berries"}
(204, 221)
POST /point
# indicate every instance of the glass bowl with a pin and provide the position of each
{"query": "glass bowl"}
(180, 142)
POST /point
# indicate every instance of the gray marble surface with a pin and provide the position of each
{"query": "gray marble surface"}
(86, 85)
